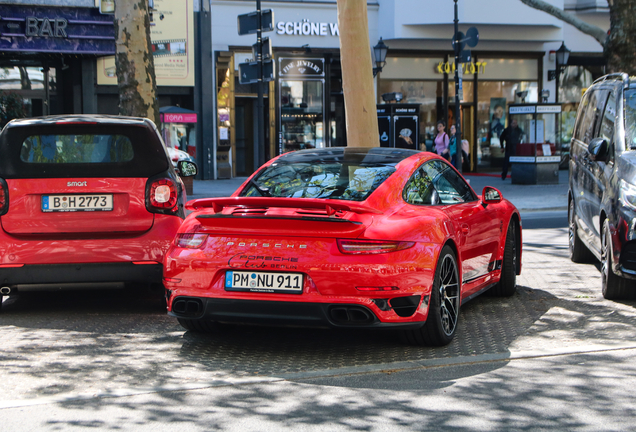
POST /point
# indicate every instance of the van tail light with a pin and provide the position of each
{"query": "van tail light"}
(162, 196)
(365, 247)
(4, 197)
(190, 240)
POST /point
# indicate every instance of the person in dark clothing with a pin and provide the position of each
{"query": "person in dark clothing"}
(512, 136)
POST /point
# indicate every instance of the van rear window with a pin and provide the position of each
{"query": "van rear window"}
(76, 149)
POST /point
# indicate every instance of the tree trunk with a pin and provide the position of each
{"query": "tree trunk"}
(134, 61)
(357, 74)
(620, 48)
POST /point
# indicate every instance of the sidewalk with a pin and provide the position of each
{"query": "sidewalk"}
(525, 197)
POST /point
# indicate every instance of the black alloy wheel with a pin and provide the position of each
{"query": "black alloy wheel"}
(444, 303)
(507, 284)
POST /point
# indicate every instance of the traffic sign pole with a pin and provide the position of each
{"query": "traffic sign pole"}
(259, 151)
(458, 88)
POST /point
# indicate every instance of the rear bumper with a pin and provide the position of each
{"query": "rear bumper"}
(80, 273)
(331, 315)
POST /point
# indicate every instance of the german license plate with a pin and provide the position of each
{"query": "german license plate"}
(264, 282)
(75, 203)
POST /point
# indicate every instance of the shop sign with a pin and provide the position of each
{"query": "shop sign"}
(25, 28)
(548, 108)
(467, 68)
(521, 109)
(306, 28)
(406, 110)
(179, 118)
(313, 67)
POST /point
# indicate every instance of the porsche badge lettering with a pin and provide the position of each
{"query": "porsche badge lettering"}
(265, 245)
(263, 262)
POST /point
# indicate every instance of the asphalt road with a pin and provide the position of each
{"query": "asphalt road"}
(555, 356)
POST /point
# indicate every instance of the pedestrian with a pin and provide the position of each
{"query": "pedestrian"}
(452, 145)
(512, 136)
(441, 141)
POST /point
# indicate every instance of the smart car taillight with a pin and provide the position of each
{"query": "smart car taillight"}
(372, 246)
(4, 197)
(190, 240)
(162, 196)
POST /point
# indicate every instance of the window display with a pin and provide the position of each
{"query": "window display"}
(301, 114)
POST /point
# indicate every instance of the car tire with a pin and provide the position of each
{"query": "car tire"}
(579, 253)
(613, 287)
(444, 303)
(507, 284)
(198, 325)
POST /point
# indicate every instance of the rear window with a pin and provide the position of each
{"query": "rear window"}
(74, 149)
(81, 150)
(328, 174)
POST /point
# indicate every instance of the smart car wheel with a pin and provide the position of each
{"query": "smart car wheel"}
(444, 304)
(507, 285)
(613, 286)
(578, 251)
(200, 326)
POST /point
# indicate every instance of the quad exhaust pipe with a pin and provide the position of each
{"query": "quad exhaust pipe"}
(5, 290)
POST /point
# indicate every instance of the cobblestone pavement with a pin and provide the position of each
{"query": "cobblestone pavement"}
(58, 344)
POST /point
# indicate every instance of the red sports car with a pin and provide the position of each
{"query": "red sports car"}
(345, 237)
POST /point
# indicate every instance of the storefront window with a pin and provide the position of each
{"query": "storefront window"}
(301, 114)
(492, 106)
(430, 96)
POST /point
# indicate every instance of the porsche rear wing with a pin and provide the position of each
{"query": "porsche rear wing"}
(329, 206)
(289, 216)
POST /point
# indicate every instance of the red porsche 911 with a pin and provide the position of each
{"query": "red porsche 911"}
(345, 237)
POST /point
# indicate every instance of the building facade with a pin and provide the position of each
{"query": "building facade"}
(54, 55)
(305, 106)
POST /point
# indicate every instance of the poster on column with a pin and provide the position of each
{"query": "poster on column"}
(172, 39)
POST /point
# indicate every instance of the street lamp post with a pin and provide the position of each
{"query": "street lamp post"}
(562, 57)
(379, 52)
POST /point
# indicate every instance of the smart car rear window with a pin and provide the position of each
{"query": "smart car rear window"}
(74, 149)
(78, 150)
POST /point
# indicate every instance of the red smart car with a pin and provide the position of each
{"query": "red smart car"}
(345, 237)
(85, 201)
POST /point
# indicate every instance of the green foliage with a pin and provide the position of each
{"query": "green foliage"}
(11, 107)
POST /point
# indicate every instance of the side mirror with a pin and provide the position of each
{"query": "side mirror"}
(187, 168)
(435, 198)
(598, 149)
(490, 195)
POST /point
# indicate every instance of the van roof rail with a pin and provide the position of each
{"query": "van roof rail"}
(618, 75)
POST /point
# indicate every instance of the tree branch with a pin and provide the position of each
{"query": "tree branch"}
(596, 32)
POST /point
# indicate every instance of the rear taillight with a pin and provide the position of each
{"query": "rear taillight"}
(4, 197)
(190, 240)
(372, 246)
(162, 196)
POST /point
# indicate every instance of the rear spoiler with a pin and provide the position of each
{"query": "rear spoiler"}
(329, 206)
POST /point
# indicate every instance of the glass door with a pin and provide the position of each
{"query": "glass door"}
(301, 105)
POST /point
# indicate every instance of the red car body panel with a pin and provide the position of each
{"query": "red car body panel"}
(129, 214)
(298, 235)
